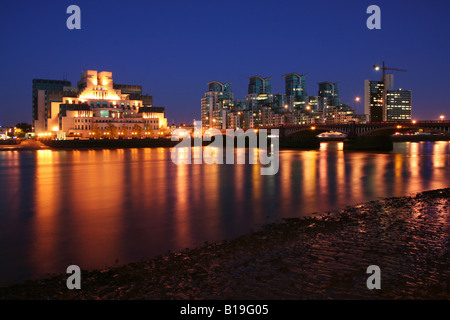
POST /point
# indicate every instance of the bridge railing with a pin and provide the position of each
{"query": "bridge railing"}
(389, 123)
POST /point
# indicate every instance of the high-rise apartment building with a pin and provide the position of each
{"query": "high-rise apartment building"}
(296, 96)
(398, 105)
(383, 103)
(215, 105)
(329, 94)
(259, 85)
(373, 100)
(262, 108)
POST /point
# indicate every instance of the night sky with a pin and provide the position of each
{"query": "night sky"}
(174, 48)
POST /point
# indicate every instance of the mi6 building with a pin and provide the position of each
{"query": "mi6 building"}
(95, 107)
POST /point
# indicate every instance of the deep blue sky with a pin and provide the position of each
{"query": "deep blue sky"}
(174, 48)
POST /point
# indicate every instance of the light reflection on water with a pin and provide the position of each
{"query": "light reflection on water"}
(92, 207)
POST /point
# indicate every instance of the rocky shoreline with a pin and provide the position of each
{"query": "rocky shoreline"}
(322, 257)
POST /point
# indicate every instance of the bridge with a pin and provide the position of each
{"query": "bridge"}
(375, 129)
(359, 136)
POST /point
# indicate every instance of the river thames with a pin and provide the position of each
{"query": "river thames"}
(97, 208)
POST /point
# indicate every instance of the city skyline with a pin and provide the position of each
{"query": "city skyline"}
(234, 153)
(211, 51)
(262, 107)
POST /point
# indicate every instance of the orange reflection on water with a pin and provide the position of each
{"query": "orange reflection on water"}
(358, 161)
(207, 185)
(414, 168)
(286, 177)
(439, 154)
(257, 190)
(323, 169)
(239, 182)
(91, 207)
(340, 174)
(47, 209)
(181, 216)
(398, 173)
(11, 160)
(309, 181)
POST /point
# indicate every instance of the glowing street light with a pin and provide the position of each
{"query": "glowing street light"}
(442, 118)
(357, 99)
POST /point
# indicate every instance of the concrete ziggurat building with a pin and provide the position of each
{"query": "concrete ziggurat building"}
(96, 107)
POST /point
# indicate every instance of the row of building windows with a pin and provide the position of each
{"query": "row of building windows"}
(83, 127)
(86, 127)
(127, 121)
(398, 108)
(82, 120)
(106, 104)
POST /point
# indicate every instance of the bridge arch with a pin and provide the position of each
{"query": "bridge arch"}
(387, 131)
(315, 130)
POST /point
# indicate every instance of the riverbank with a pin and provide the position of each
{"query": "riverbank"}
(324, 257)
(376, 144)
(110, 143)
(24, 145)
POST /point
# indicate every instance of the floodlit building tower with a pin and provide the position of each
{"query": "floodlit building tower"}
(373, 100)
(259, 85)
(296, 95)
(43, 90)
(259, 93)
(216, 104)
(383, 103)
(328, 96)
(398, 105)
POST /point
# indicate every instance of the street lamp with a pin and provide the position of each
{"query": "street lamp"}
(357, 100)
(442, 118)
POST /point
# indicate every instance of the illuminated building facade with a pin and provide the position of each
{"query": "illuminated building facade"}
(296, 95)
(216, 104)
(262, 108)
(383, 103)
(96, 107)
(373, 101)
(328, 95)
(398, 105)
(3, 133)
(44, 92)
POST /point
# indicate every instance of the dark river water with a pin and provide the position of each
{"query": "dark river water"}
(94, 207)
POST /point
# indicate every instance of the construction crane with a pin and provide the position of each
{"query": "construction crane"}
(384, 68)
